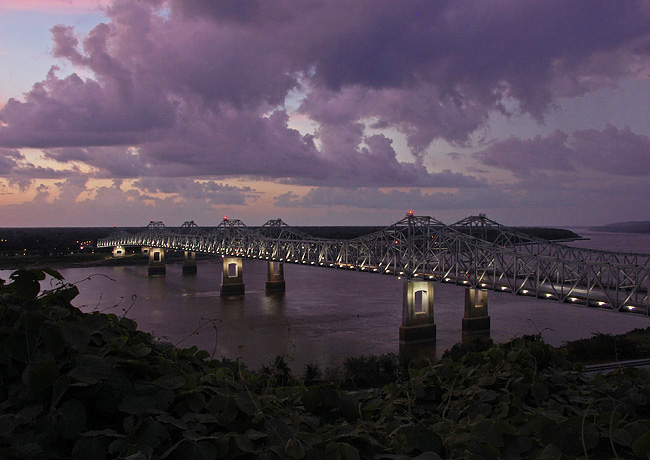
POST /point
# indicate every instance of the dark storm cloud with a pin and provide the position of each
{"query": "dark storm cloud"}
(196, 87)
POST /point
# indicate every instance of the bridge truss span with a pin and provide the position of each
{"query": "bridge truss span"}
(475, 252)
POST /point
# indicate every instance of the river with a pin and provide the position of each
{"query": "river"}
(325, 315)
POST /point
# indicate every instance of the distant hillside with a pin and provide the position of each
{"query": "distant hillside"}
(624, 227)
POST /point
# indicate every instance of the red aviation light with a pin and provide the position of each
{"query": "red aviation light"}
(225, 217)
(410, 212)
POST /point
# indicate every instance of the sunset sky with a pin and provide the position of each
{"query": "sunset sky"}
(323, 112)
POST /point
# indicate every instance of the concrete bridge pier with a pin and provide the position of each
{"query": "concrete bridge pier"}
(157, 261)
(275, 278)
(144, 250)
(233, 276)
(418, 324)
(476, 319)
(189, 263)
(118, 251)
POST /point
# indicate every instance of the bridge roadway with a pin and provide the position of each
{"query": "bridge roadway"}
(476, 252)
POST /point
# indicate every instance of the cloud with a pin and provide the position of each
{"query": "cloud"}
(528, 156)
(372, 198)
(611, 151)
(210, 192)
(197, 88)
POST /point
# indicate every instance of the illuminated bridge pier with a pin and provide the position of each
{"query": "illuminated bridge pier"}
(275, 278)
(233, 277)
(476, 319)
(156, 261)
(418, 325)
(189, 262)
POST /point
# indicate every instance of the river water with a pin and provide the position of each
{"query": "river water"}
(325, 315)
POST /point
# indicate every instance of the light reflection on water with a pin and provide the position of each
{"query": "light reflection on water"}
(325, 315)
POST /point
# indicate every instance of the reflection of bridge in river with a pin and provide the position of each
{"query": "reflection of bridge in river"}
(475, 252)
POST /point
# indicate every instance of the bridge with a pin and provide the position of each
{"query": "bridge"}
(475, 252)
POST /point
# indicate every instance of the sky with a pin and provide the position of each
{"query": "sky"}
(323, 112)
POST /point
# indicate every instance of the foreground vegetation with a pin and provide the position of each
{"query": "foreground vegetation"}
(76, 385)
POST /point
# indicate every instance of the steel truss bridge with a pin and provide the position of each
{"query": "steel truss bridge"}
(475, 252)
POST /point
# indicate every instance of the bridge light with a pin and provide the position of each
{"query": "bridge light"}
(549, 295)
(525, 291)
(631, 307)
(601, 303)
(573, 299)
(225, 217)
(503, 288)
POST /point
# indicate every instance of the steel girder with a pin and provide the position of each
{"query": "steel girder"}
(475, 252)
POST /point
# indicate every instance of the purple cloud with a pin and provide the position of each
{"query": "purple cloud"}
(527, 156)
(199, 89)
(372, 198)
(611, 151)
(211, 192)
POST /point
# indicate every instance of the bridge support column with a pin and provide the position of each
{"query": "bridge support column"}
(275, 277)
(189, 263)
(119, 251)
(157, 261)
(233, 277)
(144, 250)
(476, 319)
(418, 324)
